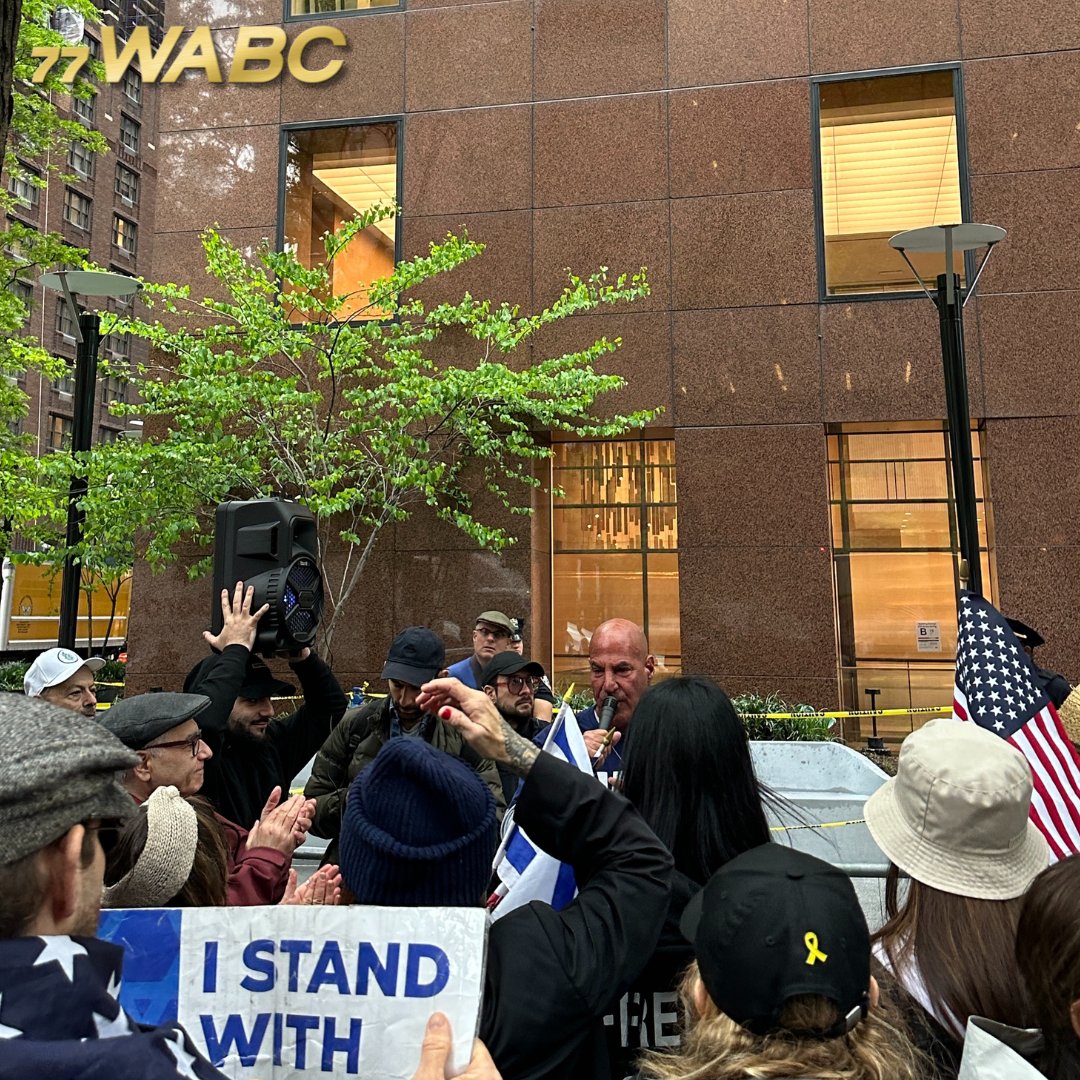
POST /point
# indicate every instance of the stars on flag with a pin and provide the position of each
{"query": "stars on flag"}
(185, 1062)
(7, 1032)
(63, 950)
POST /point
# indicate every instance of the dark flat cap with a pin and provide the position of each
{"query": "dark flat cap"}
(138, 721)
(58, 769)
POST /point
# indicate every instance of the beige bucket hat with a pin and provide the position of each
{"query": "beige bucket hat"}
(955, 816)
(1069, 714)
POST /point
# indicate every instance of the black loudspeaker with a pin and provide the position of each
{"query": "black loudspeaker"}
(270, 544)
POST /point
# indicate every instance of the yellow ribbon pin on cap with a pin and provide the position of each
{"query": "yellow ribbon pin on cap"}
(813, 953)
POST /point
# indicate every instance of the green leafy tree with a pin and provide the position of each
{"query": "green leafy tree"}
(269, 392)
(38, 138)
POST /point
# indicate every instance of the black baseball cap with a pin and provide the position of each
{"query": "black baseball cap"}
(260, 682)
(774, 923)
(1028, 635)
(508, 663)
(416, 656)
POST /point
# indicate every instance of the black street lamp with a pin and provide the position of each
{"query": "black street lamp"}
(949, 299)
(87, 335)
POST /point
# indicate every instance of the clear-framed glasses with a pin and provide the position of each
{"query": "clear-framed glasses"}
(516, 683)
(191, 742)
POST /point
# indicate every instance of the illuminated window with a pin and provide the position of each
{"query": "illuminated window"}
(125, 234)
(332, 174)
(331, 7)
(896, 563)
(59, 432)
(615, 548)
(77, 209)
(889, 159)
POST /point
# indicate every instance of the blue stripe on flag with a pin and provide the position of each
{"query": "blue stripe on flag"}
(562, 741)
(565, 887)
(519, 852)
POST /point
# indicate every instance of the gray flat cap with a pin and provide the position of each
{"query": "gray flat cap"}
(57, 769)
(138, 721)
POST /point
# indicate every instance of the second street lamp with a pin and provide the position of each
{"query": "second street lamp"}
(87, 334)
(949, 299)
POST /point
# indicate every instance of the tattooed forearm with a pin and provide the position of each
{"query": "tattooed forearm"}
(521, 753)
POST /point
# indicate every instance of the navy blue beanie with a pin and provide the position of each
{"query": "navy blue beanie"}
(419, 830)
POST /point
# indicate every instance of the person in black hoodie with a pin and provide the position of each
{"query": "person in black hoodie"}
(687, 770)
(254, 752)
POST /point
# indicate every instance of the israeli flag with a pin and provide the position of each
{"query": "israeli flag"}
(526, 872)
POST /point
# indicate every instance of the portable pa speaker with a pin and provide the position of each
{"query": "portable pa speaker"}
(270, 544)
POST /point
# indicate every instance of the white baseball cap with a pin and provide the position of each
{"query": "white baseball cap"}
(55, 666)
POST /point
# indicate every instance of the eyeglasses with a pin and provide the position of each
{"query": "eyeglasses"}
(516, 683)
(191, 742)
(492, 632)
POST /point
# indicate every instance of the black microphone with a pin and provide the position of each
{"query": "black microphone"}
(607, 712)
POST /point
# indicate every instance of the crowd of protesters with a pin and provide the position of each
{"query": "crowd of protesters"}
(697, 946)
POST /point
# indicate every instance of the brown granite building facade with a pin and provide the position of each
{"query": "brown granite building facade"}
(785, 523)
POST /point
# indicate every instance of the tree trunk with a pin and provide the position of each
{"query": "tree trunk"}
(10, 20)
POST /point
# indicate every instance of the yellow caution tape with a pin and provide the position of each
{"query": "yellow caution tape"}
(840, 715)
(821, 825)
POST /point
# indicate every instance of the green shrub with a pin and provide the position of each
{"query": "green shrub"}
(11, 675)
(806, 725)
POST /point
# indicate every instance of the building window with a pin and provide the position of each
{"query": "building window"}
(59, 432)
(126, 185)
(24, 292)
(65, 322)
(889, 160)
(23, 184)
(125, 234)
(112, 389)
(129, 134)
(93, 46)
(615, 548)
(81, 159)
(77, 209)
(332, 7)
(118, 345)
(332, 174)
(83, 109)
(896, 564)
(131, 85)
(66, 383)
(107, 435)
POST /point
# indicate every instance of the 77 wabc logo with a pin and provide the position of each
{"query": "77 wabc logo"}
(266, 46)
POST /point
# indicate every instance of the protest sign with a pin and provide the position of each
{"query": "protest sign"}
(282, 992)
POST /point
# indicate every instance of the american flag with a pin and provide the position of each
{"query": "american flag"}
(996, 687)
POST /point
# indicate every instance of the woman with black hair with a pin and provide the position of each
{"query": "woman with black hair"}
(687, 770)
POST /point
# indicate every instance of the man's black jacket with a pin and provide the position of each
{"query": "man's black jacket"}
(551, 974)
(244, 770)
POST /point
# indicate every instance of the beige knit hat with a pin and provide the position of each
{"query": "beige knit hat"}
(165, 862)
(955, 816)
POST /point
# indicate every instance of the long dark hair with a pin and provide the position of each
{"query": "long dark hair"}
(687, 769)
(1048, 955)
(962, 949)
